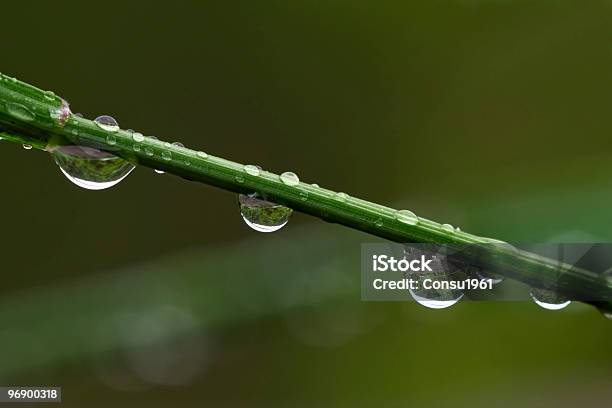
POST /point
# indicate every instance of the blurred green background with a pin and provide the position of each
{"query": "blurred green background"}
(491, 115)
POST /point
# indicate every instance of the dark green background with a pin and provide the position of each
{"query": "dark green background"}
(491, 115)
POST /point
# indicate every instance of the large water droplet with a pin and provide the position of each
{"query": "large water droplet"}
(549, 299)
(261, 215)
(438, 298)
(20, 112)
(406, 217)
(91, 168)
(107, 123)
(290, 179)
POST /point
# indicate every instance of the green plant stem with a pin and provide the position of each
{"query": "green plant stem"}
(31, 116)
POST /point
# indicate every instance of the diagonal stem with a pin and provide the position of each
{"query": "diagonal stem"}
(41, 119)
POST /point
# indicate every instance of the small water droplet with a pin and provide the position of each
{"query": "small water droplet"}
(148, 151)
(91, 168)
(202, 155)
(378, 222)
(159, 171)
(315, 185)
(136, 147)
(107, 123)
(304, 195)
(138, 137)
(239, 179)
(252, 170)
(261, 215)
(111, 140)
(75, 131)
(406, 217)
(20, 112)
(448, 227)
(290, 179)
(549, 299)
(341, 196)
(178, 144)
(49, 95)
(166, 155)
(27, 146)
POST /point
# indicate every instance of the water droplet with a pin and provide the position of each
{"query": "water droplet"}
(315, 185)
(378, 222)
(91, 168)
(27, 146)
(431, 298)
(239, 179)
(62, 114)
(261, 215)
(202, 155)
(78, 115)
(107, 123)
(178, 144)
(304, 195)
(549, 299)
(159, 171)
(49, 95)
(111, 140)
(148, 151)
(20, 112)
(290, 179)
(406, 217)
(448, 227)
(166, 155)
(75, 131)
(252, 170)
(138, 137)
(341, 196)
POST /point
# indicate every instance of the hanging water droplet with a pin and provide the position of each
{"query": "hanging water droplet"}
(202, 155)
(549, 299)
(107, 123)
(20, 112)
(426, 295)
(448, 227)
(261, 215)
(406, 217)
(138, 137)
(290, 179)
(159, 171)
(341, 196)
(91, 168)
(252, 170)
(27, 146)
